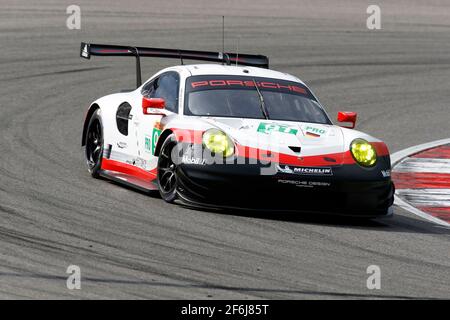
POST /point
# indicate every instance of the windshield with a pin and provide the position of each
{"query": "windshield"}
(237, 97)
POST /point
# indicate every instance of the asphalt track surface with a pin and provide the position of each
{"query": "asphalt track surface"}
(130, 245)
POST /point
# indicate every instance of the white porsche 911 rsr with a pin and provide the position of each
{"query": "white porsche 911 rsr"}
(233, 134)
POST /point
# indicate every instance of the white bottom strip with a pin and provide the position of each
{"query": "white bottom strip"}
(426, 197)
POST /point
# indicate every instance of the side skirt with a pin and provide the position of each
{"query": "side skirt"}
(129, 181)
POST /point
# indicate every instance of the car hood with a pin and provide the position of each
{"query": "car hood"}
(286, 137)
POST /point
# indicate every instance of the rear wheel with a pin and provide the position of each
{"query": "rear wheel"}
(167, 170)
(94, 145)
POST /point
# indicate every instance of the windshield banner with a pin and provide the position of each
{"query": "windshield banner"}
(217, 82)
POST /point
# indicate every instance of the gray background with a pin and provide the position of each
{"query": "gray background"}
(129, 245)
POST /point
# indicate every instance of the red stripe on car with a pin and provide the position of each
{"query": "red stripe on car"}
(188, 136)
(117, 166)
(317, 160)
(196, 136)
(381, 148)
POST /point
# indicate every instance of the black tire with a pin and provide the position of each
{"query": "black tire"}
(167, 170)
(94, 144)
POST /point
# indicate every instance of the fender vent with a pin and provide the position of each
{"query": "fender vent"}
(295, 149)
(122, 117)
(329, 159)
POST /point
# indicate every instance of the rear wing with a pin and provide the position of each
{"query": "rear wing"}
(90, 49)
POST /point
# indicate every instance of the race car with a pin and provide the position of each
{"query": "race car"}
(233, 134)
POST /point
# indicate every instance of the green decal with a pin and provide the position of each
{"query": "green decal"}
(272, 127)
(155, 136)
(315, 130)
(148, 143)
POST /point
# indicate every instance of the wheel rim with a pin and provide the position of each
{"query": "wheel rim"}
(94, 143)
(167, 177)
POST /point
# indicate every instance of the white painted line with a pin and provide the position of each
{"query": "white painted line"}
(426, 197)
(426, 191)
(399, 156)
(429, 165)
(406, 206)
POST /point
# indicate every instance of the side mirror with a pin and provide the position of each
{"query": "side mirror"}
(153, 105)
(347, 116)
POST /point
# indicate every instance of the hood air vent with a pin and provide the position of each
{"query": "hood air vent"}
(295, 149)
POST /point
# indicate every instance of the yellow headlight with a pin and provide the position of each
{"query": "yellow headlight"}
(218, 142)
(363, 152)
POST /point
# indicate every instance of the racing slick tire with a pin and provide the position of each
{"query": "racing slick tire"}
(167, 169)
(94, 144)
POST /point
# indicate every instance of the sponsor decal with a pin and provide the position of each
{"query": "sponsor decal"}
(138, 162)
(386, 173)
(294, 182)
(247, 84)
(319, 184)
(122, 145)
(313, 171)
(148, 143)
(191, 160)
(314, 132)
(155, 136)
(305, 184)
(267, 128)
(285, 169)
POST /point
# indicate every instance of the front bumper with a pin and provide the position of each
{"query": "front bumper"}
(350, 190)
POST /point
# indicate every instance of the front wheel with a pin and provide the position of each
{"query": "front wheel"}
(167, 170)
(94, 145)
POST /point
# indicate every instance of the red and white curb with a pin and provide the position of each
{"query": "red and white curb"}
(421, 176)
